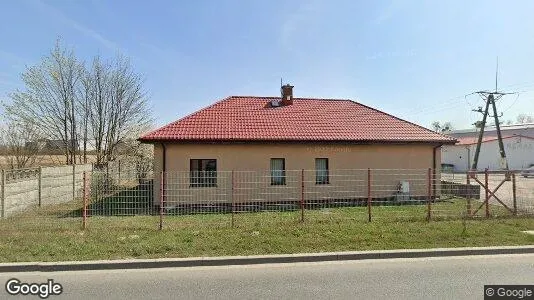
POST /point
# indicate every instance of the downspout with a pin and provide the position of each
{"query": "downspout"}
(163, 163)
(164, 169)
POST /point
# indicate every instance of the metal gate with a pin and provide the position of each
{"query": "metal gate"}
(495, 185)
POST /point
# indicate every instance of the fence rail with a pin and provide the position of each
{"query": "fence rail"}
(21, 174)
(232, 197)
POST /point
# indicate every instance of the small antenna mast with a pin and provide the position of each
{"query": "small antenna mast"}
(496, 74)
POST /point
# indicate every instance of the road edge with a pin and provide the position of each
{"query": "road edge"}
(256, 259)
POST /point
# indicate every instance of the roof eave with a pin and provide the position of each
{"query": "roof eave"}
(376, 141)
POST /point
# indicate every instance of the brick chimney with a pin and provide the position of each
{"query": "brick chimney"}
(287, 95)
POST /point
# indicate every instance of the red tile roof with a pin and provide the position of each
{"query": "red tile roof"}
(240, 118)
(473, 140)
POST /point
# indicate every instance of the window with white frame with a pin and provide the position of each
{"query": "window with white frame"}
(321, 171)
(278, 171)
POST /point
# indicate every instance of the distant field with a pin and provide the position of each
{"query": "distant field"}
(47, 160)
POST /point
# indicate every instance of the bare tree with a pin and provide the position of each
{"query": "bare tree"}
(21, 144)
(442, 128)
(524, 118)
(436, 126)
(141, 155)
(85, 94)
(118, 106)
(102, 103)
(98, 104)
(48, 101)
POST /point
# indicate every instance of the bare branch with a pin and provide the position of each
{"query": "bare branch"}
(21, 143)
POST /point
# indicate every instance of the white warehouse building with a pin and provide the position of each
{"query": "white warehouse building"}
(519, 151)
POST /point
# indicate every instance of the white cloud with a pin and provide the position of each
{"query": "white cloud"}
(388, 12)
(12, 60)
(167, 58)
(11, 83)
(95, 35)
(299, 20)
(58, 15)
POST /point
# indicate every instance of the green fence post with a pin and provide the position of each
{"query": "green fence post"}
(514, 194)
(302, 196)
(429, 195)
(3, 199)
(369, 194)
(39, 186)
(73, 182)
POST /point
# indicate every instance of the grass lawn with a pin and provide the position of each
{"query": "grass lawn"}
(49, 237)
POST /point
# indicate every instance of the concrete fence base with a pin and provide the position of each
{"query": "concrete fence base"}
(460, 189)
(43, 186)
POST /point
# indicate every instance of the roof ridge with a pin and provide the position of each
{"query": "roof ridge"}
(516, 135)
(491, 138)
(294, 98)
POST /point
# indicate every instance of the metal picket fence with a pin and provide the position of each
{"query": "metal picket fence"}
(245, 198)
(249, 198)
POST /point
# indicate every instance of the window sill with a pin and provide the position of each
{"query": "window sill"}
(202, 185)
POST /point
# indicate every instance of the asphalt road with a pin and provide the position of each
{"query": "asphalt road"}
(428, 278)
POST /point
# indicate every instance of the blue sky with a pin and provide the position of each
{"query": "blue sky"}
(413, 59)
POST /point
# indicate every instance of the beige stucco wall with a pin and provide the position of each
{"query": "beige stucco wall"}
(347, 164)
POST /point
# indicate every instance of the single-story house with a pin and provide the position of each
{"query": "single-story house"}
(275, 135)
(519, 151)
(51, 145)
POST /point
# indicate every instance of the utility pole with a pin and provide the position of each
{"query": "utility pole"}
(490, 98)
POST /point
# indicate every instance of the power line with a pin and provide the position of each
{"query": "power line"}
(454, 102)
(513, 103)
(436, 109)
(448, 104)
(520, 85)
(490, 98)
(445, 103)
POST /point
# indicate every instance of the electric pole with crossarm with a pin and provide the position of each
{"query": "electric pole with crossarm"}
(490, 98)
